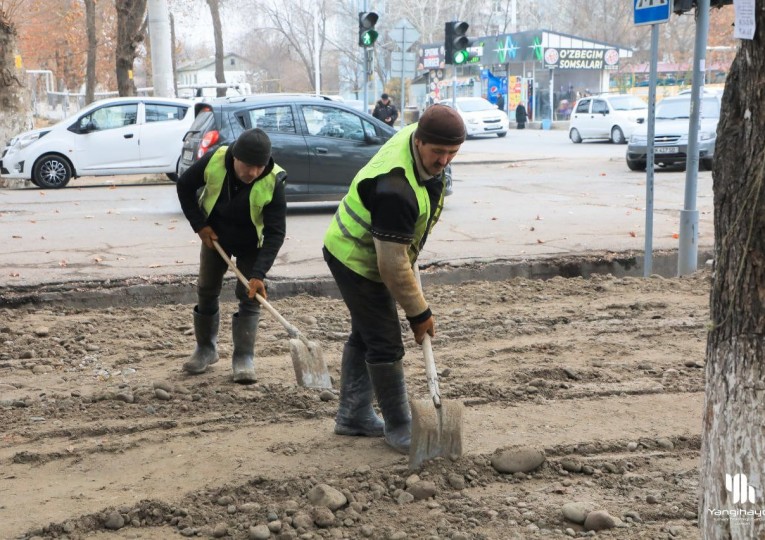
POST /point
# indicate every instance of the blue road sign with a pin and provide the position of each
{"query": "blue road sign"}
(652, 11)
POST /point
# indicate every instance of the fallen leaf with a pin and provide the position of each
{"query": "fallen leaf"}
(62, 263)
(171, 228)
(533, 229)
(16, 236)
(538, 218)
(112, 187)
(602, 174)
(494, 219)
(675, 235)
(179, 262)
(14, 274)
(633, 234)
(42, 193)
(120, 258)
(155, 266)
(32, 221)
(540, 241)
(97, 260)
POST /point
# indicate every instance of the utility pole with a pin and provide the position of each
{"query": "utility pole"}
(161, 47)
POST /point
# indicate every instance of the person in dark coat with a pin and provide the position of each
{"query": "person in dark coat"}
(501, 102)
(520, 116)
(385, 110)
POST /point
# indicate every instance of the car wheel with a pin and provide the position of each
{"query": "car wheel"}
(52, 171)
(574, 135)
(707, 163)
(636, 165)
(617, 136)
(501, 134)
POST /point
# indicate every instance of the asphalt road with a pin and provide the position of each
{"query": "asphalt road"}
(531, 194)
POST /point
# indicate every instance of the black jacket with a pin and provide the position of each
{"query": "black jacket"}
(383, 111)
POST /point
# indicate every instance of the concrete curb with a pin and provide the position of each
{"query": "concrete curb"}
(182, 289)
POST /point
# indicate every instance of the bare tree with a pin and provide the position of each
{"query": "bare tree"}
(733, 442)
(220, 76)
(14, 99)
(90, 64)
(130, 34)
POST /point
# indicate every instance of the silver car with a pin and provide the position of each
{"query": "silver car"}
(671, 133)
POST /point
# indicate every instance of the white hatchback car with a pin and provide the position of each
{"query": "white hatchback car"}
(127, 135)
(480, 116)
(606, 116)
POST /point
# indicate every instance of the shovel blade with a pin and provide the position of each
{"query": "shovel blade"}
(310, 369)
(435, 432)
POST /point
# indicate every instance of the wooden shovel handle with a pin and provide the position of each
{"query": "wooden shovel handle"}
(291, 330)
(430, 361)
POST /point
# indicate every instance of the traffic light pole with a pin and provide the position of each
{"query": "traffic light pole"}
(687, 258)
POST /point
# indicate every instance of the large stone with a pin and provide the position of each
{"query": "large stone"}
(576, 512)
(324, 495)
(599, 520)
(259, 532)
(424, 489)
(323, 517)
(520, 459)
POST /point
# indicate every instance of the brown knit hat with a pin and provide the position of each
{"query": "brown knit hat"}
(253, 147)
(440, 124)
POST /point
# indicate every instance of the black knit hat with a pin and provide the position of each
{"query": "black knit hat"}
(441, 124)
(253, 147)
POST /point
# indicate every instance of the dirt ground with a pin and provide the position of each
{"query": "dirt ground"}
(103, 436)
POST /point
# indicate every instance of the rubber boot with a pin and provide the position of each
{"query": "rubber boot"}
(390, 389)
(355, 415)
(244, 330)
(206, 333)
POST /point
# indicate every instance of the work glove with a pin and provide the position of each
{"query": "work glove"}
(207, 234)
(428, 326)
(257, 286)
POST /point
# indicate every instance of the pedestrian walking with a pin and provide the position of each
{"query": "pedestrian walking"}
(385, 110)
(234, 195)
(520, 116)
(371, 247)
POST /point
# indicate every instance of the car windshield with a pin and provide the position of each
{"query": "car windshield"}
(627, 103)
(672, 109)
(473, 105)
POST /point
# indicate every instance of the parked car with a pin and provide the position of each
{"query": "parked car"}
(322, 143)
(606, 116)
(671, 127)
(127, 135)
(481, 117)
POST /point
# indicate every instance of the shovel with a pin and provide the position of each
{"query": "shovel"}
(436, 424)
(310, 369)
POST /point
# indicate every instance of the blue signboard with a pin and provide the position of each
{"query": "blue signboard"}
(652, 11)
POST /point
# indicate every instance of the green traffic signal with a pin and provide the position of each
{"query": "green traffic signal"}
(460, 57)
(368, 38)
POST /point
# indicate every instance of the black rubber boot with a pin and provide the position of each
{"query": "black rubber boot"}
(390, 388)
(355, 415)
(206, 333)
(244, 330)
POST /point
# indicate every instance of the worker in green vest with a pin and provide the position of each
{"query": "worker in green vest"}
(371, 246)
(234, 195)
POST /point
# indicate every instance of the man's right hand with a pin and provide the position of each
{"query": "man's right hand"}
(427, 326)
(207, 234)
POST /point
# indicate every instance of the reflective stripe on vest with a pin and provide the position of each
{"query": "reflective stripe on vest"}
(260, 195)
(349, 236)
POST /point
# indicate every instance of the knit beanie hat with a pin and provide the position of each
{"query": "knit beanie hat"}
(253, 147)
(440, 124)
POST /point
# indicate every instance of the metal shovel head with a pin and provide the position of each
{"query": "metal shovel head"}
(435, 432)
(310, 369)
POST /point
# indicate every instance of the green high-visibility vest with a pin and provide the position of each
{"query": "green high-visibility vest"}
(349, 237)
(261, 194)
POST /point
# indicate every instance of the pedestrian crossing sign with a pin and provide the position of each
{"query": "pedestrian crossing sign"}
(652, 11)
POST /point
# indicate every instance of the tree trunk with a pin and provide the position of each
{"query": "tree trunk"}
(15, 114)
(733, 440)
(90, 64)
(130, 16)
(220, 76)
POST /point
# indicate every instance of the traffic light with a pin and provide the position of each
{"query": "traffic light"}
(367, 33)
(456, 42)
(683, 6)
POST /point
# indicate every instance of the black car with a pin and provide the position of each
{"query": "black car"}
(320, 142)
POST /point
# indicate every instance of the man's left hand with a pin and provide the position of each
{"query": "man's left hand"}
(257, 286)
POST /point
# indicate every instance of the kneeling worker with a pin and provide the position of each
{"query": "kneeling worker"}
(234, 195)
(371, 247)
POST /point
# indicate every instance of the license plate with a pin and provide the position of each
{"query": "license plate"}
(665, 150)
(493, 127)
(187, 154)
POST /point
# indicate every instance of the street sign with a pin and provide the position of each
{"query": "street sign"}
(651, 11)
(402, 64)
(404, 34)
